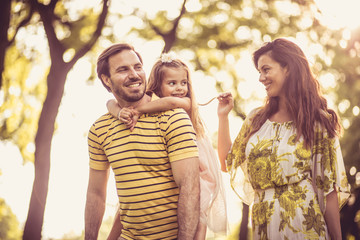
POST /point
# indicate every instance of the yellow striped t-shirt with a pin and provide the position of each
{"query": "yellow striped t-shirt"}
(147, 192)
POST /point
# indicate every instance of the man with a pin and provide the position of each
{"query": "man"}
(155, 166)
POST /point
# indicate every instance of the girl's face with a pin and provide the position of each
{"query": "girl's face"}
(174, 83)
(272, 75)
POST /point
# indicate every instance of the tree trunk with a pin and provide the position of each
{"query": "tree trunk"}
(56, 82)
(4, 26)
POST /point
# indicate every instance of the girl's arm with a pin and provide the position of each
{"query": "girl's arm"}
(166, 103)
(126, 115)
(226, 103)
(113, 107)
(130, 116)
(332, 216)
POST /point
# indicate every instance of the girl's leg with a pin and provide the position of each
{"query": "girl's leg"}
(201, 231)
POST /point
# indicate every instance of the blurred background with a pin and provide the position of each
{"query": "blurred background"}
(50, 94)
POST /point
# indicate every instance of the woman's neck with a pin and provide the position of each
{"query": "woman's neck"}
(282, 114)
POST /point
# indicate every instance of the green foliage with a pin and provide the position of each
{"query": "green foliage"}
(22, 101)
(9, 225)
(222, 30)
(24, 87)
(76, 32)
(20, 11)
(344, 66)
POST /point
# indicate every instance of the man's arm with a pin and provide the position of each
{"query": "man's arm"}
(115, 231)
(186, 175)
(95, 202)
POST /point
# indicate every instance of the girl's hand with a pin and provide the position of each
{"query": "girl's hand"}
(135, 116)
(226, 103)
(125, 115)
(129, 116)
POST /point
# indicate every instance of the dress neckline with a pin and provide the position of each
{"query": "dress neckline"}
(278, 123)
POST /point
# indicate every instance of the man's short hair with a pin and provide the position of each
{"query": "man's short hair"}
(103, 59)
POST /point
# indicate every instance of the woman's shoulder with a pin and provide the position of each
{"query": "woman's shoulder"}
(253, 112)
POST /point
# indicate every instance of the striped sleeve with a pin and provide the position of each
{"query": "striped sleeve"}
(98, 159)
(180, 136)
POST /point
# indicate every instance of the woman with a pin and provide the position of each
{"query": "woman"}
(286, 160)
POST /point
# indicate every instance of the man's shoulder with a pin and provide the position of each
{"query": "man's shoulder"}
(103, 121)
(167, 113)
(172, 113)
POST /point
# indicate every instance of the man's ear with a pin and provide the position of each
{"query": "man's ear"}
(106, 80)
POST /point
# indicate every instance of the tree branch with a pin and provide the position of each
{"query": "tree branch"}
(170, 37)
(52, 4)
(47, 16)
(87, 46)
(177, 20)
(156, 29)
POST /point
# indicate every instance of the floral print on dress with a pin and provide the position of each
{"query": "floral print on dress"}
(273, 172)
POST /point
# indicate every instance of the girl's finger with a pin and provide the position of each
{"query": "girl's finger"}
(132, 127)
(225, 95)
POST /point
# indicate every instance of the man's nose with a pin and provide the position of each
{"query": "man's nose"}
(133, 73)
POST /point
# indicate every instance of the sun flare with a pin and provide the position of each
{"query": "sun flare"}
(339, 14)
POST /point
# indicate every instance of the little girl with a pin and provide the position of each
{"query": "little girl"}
(170, 80)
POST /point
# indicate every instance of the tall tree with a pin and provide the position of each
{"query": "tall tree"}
(4, 43)
(55, 87)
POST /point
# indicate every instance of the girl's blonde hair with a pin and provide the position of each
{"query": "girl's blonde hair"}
(156, 79)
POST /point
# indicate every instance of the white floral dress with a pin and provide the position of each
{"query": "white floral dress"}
(273, 172)
(213, 210)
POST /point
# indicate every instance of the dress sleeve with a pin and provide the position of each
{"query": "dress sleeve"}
(213, 210)
(329, 169)
(236, 163)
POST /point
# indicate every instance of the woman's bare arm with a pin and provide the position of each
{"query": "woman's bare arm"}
(226, 103)
(332, 216)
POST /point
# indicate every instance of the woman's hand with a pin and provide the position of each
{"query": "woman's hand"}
(226, 103)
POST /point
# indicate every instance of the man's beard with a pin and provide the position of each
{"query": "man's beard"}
(129, 97)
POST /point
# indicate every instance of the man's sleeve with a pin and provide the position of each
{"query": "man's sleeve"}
(98, 159)
(180, 136)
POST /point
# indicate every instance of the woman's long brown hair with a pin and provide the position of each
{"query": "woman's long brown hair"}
(304, 100)
(154, 85)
